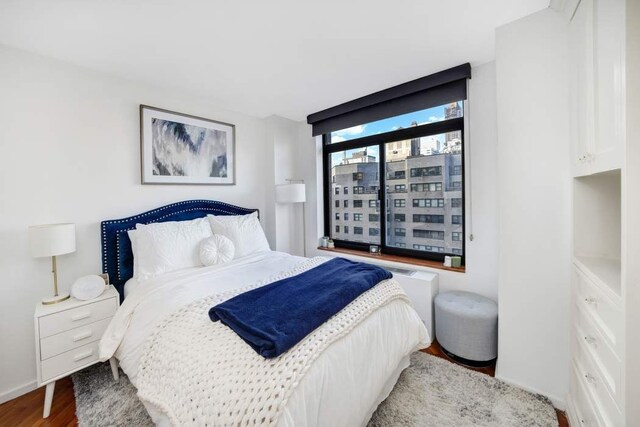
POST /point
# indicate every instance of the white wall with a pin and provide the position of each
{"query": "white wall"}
(534, 204)
(482, 252)
(69, 151)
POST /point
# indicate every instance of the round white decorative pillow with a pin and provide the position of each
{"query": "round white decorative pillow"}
(216, 249)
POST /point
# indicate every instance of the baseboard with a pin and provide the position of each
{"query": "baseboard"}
(558, 403)
(6, 396)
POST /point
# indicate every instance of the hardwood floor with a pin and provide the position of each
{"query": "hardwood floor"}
(26, 410)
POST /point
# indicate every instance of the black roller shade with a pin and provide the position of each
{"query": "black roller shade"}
(426, 92)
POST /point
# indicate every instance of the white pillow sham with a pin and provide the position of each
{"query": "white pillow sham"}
(167, 246)
(216, 249)
(244, 231)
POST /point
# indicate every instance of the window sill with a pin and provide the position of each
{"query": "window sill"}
(396, 258)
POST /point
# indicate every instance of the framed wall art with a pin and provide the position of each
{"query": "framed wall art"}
(182, 149)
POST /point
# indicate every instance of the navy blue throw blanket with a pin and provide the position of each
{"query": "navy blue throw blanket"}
(275, 317)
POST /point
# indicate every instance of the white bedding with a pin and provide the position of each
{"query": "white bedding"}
(345, 383)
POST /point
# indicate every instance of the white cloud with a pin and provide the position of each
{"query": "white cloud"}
(336, 138)
(435, 119)
(355, 130)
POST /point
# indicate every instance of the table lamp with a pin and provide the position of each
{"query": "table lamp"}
(294, 192)
(52, 240)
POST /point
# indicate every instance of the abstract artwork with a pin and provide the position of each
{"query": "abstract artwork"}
(182, 149)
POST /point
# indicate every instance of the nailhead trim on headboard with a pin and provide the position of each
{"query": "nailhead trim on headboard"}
(111, 229)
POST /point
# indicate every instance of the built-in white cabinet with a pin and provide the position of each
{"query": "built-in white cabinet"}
(597, 79)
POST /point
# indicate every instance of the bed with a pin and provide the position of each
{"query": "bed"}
(342, 385)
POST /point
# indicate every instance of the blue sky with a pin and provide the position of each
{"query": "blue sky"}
(431, 115)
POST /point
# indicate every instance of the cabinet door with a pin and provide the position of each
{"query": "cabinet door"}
(609, 30)
(581, 77)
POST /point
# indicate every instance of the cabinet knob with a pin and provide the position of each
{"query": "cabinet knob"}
(589, 339)
(590, 300)
(590, 378)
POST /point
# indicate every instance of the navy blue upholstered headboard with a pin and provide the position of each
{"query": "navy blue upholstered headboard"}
(117, 257)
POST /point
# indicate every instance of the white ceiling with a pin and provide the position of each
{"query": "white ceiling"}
(262, 57)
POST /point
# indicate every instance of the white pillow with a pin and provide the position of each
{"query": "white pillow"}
(216, 249)
(132, 238)
(167, 246)
(243, 230)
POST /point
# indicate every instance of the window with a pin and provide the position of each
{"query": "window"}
(346, 203)
(337, 228)
(427, 171)
(428, 186)
(429, 234)
(429, 248)
(337, 191)
(430, 219)
(337, 203)
(455, 170)
(337, 215)
(456, 251)
(402, 163)
(456, 219)
(456, 236)
(397, 175)
(346, 229)
(428, 203)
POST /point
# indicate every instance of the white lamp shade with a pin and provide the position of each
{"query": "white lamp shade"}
(52, 239)
(291, 193)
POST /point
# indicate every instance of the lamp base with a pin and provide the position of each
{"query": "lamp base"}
(56, 299)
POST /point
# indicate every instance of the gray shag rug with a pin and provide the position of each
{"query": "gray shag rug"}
(431, 392)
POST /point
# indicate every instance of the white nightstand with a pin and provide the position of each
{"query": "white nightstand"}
(67, 337)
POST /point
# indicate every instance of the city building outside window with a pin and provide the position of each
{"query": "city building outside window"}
(346, 229)
(416, 167)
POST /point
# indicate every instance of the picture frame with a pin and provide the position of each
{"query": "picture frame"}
(177, 148)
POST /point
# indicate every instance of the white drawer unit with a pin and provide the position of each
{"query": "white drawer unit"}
(596, 395)
(67, 337)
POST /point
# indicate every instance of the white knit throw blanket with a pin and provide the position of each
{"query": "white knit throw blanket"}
(199, 372)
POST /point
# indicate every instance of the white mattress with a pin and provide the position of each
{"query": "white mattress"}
(345, 383)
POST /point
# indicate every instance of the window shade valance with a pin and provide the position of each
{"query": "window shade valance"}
(430, 91)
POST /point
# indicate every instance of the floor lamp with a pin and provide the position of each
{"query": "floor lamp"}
(294, 192)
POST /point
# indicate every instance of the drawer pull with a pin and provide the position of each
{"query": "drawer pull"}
(590, 340)
(590, 378)
(84, 355)
(80, 316)
(590, 300)
(86, 335)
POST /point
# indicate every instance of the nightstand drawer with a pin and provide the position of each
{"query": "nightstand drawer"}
(75, 317)
(68, 340)
(69, 361)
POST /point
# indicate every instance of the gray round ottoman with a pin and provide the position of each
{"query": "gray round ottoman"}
(467, 327)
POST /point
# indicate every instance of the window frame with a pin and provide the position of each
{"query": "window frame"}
(429, 129)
